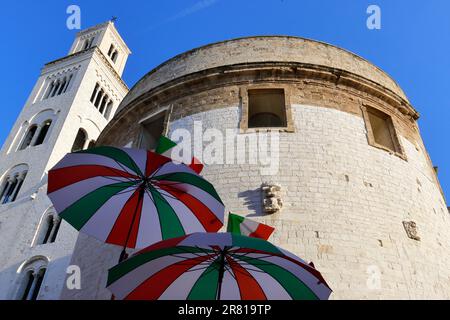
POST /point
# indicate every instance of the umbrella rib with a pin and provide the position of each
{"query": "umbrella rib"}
(113, 179)
(167, 195)
(125, 169)
(159, 168)
(196, 254)
(245, 256)
(248, 269)
(125, 191)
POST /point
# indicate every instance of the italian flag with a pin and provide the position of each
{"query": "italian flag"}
(247, 227)
(164, 148)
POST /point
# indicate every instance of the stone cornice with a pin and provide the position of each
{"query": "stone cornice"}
(277, 71)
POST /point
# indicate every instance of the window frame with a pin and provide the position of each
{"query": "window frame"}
(244, 104)
(154, 115)
(398, 147)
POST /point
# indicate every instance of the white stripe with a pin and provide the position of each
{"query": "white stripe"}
(204, 197)
(149, 227)
(187, 219)
(102, 222)
(65, 197)
(206, 240)
(130, 281)
(248, 226)
(89, 159)
(270, 286)
(321, 290)
(139, 156)
(230, 288)
(172, 167)
(181, 287)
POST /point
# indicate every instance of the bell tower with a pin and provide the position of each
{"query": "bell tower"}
(73, 100)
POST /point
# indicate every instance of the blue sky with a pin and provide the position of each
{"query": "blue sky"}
(413, 45)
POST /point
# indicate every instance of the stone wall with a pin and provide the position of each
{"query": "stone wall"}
(344, 207)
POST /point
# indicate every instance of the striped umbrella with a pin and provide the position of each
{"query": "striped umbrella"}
(131, 197)
(209, 266)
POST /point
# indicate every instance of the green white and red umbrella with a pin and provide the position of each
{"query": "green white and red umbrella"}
(209, 266)
(131, 197)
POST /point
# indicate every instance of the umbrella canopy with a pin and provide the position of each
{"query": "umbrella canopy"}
(209, 266)
(131, 197)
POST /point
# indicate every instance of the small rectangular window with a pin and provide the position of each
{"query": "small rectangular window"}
(266, 108)
(382, 131)
(152, 129)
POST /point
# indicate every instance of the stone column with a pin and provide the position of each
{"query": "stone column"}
(33, 286)
(36, 135)
(6, 188)
(17, 187)
(55, 88)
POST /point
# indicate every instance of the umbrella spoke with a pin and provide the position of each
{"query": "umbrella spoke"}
(124, 168)
(118, 180)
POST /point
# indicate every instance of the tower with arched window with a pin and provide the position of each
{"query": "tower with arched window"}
(73, 100)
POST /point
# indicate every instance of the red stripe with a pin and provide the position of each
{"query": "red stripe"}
(154, 161)
(163, 244)
(308, 268)
(248, 286)
(63, 177)
(206, 217)
(154, 287)
(263, 232)
(196, 165)
(119, 232)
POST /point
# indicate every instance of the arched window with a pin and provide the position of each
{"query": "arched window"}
(108, 110)
(48, 229)
(114, 56)
(49, 89)
(105, 100)
(11, 187)
(28, 137)
(94, 93)
(31, 279)
(80, 141)
(99, 98)
(56, 89)
(265, 119)
(110, 51)
(91, 144)
(43, 132)
(88, 43)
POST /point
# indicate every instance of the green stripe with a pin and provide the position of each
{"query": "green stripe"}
(255, 243)
(83, 209)
(292, 284)
(192, 179)
(171, 226)
(205, 288)
(134, 262)
(234, 223)
(164, 144)
(117, 155)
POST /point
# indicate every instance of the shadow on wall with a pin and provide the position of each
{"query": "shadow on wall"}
(253, 202)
